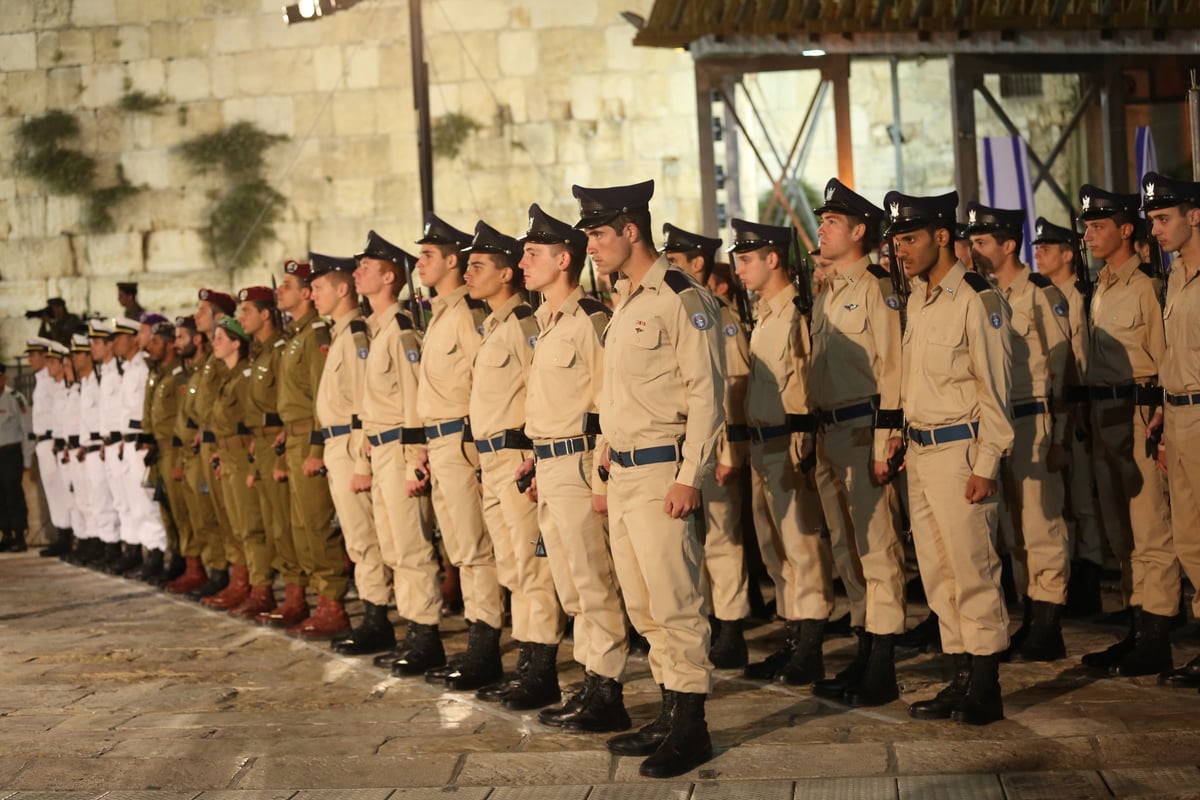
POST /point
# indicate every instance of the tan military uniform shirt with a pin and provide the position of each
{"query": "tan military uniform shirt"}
(1041, 347)
(663, 371)
(450, 344)
(779, 362)
(1128, 342)
(300, 369)
(567, 372)
(957, 352)
(1081, 338)
(501, 367)
(737, 380)
(390, 381)
(856, 344)
(1180, 372)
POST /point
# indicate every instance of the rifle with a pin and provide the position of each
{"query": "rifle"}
(1083, 277)
(414, 302)
(801, 276)
(276, 314)
(595, 292)
(1158, 272)
(901, 287)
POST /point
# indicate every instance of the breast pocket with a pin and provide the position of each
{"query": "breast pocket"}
(556, 354)
(1126, 317)
(946, 354)
(647, 357)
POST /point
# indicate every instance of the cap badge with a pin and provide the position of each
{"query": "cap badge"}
(428, 225)
(1039, 231)
(1087, 202)
(829, 192)
(1149, 191)
(895, 209)
(971, 217)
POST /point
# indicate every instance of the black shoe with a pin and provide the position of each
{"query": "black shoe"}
(687, 744)
(839, 627)
(152, 569)
(982, 703)
(538, 686)
(728, 650)
(1151, 652)
(1103, 659)
(637, 643)
(218, 579)
(1017, 639)
(481, 665)
(878, 685)
(112, 554)
(6, 541)
(1045, 640)
(174, 568)
(442, 671)
(131, 559)
(1186, 677)
(555, 717)
(942, 704)
(60, 547)
(1083, 590)
(425, 652)
(602, 709)
(807, 662)
(495, 692)
(835, 688)
(17, 545)
(374, 634)
(769, 668)
(926, 636)
(646, 740)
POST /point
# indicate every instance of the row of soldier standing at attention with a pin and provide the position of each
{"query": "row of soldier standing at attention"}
(589, 461)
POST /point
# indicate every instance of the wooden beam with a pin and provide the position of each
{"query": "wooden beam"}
(704, 140)
(964, 75)
(837, 71)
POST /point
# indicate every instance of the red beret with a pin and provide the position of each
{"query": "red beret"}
(221, 300)
(257, 294)
(301, 269)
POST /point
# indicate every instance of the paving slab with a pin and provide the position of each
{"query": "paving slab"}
(126, 773)
(347, 772)
(949, 787)
(1079, 785)
(1152, 781)
(994, 756)
(744, 790)
(846, 789)
(503, 769)
(658, 790)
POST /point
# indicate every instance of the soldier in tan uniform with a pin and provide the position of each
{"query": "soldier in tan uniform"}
(955, 391)
(259, 318)
(187, 473)
(1054, 255)
(316, 554)
(1032, 493)
(338, 403)
(787, 508)
(443, 398)
(727, 587)
(854, 384)
(1128, 345)
(1173, 210)
(661, 412)
(562, 421)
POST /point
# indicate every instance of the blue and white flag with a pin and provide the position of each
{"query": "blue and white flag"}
(1007, 182)
(1147, 159)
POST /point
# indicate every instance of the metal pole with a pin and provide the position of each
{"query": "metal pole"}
(897, 139)
(1194, 118)
(420, 79)
(708, 168)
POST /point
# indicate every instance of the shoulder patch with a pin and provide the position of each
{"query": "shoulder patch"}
(1040, 280)
(319, 323)
(476, 305)
(879, 272)
(402, 319)
(177, 370)
(528, 322)
(1058, 301)
(976, 281)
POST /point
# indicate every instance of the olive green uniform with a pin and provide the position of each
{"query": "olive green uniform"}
(264, 424)
(158, 421)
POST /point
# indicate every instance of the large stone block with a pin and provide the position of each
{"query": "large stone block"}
(40, 258)
(182, 123)
(149, 168)
(327, 67)
(103, 84)
(188, 79)
(181, 39)
(64, 213)
(133, 42)
(518, 53)
(573, 51)
(353, 113)
(26, 217)
(348, 158)
(310, 115)
(18, 296)
(233, 34)
(18, 51)
(93, 12)
(17, 18)
(272, 114)
(8, 190)
(65, 47)
(113, 254)
(147, 75)
(26, 92)
(177, 250)
(362, 67)
(468, 15)
(563, 15)
(63, 87)
(394, 110)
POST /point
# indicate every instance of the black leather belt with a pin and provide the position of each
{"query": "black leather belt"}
(1140, 393)
(208, 437)
(1028, 409)
(760, 435)
(112, 438)
(646, 455)
(737, 433)
(564, 447)
(72, 442)
(136, 424)
(403, 435)
(1075, 394)
(445, 428)
(334, 430)
(845, 413)
(1183, 399)
(92, 448)
(95, 437)
(950, 433)
(59, 444)
(45, 437)
(802, 423)
(129, 437)
(508, 440)
(271, 420)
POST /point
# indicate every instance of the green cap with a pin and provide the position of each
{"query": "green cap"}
(231, 326)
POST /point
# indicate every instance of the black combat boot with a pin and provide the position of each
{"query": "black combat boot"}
(942, 704)
(1017, 639)
(555, 717)
(495, 692)
(17, 543)
(982, 703)
(482, 664)
(1103, 659)
(1083, 590)
(926, 636)
(770, 667)
(807, 662)
(835, 688)
(425, 652)
(373, 634)
(602, 711)
(1186, 677)
(218, 579)
(6, 541)
(687, 744)
(728, 650)
(401, 648)
(152, 569)
(877, 686)
(173, 568)
(1045, 640)
(538, 686)
(60, 547)
(131, 559)
(1151, 652)
(112, 554)
(646, 739)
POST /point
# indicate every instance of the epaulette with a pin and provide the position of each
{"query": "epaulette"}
(879, 272)
(678, 281)
(280, 342)
(598, 313)
(1039, 280)
(1058, 301)
(322, 335)
(993, 303)
(976, 281)
(529, 325)
(479, 311)
(362, 339)
(409, 339)
(689, 294)
(1149, 270)
(887, 287)
(402, 319)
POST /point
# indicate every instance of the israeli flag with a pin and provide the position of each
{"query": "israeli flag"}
(1147, 161)
(1007, 182)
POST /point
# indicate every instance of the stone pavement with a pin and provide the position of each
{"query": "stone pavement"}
(112, 689)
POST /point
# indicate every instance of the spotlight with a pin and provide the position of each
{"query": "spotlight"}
(309, 10)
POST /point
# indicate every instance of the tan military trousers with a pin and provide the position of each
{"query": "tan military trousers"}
(176, 491)
(201, 512)
(787, 521)
(727, 583)
(354, 511)
(244, 511)
(404, 526)
(273, 500)
(1182, 437)
(956, 549)
(576, 540)
(224, 539)
(1031, 513)
(1083, 516)
(1131, 492)
(865, 546)
(512, 519)
(319, 546)
(452, 464)
(658, 560)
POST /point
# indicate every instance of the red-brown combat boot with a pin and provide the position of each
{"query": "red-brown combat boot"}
(193, 577)
(261, 600)
(233, 594)
(328, 622)
(293, 610)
